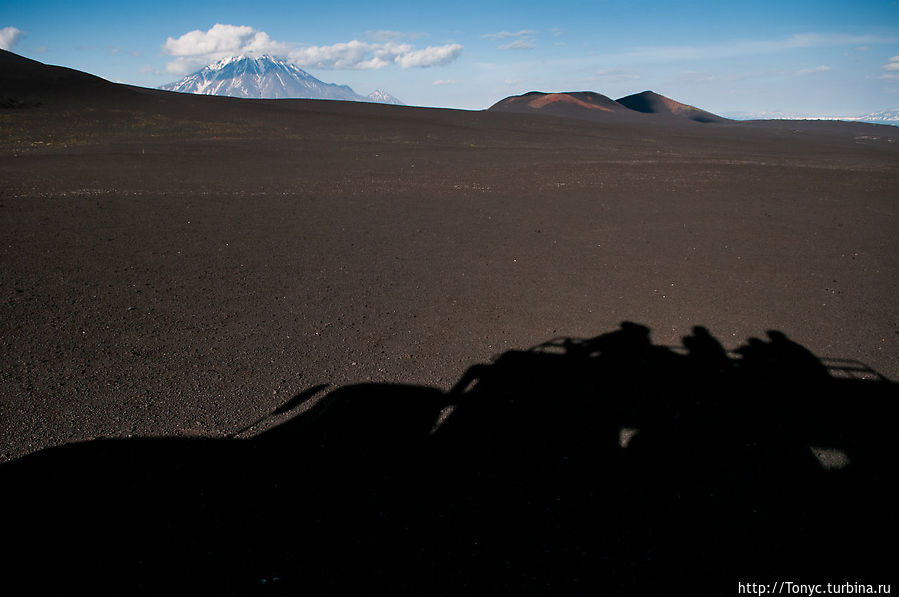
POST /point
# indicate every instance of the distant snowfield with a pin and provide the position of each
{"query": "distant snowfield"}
(890, 116)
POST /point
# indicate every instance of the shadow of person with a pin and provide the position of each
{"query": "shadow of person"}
(606, 465)
(706, 351)
(797, 359)
(781, 360)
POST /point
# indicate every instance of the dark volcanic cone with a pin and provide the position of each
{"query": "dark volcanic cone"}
(650, 102)
(575, 104)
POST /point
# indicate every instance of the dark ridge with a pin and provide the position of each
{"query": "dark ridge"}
(28, 83)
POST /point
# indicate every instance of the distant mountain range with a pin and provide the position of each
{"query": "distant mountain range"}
(27, 83)
(589, 105)
(267, 77)
(882, 117)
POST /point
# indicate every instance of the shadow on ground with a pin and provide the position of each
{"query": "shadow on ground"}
(608, 466)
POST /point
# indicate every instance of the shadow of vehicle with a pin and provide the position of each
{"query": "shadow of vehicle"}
(602, 466)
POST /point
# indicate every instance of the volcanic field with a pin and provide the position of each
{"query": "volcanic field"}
(323, 347)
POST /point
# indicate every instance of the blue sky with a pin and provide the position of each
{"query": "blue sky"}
(801, 57)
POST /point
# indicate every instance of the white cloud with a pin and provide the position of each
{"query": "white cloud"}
(521, 40)
(430, 56)
(220, 39)
(199, 48)
(445, 82)
(524, 43)
(349, 55)
(358, 55)
(892, 68)
(507, 34)
(818, 69)
(182, 66)
(9, 37)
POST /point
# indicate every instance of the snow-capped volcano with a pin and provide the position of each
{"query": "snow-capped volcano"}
(382, 97)
(265, 77)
